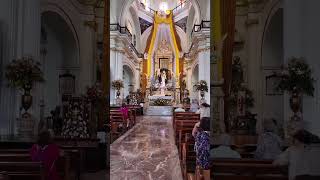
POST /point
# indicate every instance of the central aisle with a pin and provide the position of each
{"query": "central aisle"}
(146, 152)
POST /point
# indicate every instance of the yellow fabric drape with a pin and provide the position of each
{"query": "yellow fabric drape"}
(217, 33)
(154, 33)
(166, 20)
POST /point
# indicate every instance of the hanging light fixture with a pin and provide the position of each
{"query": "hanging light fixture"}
(163, 6)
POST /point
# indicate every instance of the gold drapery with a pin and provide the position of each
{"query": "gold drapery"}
(168, 19)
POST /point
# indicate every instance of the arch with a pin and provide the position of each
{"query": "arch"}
(269, 10)
(50, 7)
(127, 4)
(128, 73)
(128, 63)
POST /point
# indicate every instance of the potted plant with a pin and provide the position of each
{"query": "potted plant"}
(201, 86)
(22, 74)
(117, 85)
(296, 80)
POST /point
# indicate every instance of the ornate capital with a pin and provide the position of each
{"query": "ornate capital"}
(91, 24)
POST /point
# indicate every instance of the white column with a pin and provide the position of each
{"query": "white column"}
(137, 79)
(112, 74)
(292, 40)
(31, 30)
(204, 65)
(254, 69)
(8, 29)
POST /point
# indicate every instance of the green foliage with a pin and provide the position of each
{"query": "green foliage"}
(117, 84)
(22, 73)
(162, 102)
(201, 86)
(297, 75)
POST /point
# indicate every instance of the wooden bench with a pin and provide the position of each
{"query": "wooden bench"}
(23, 170)
(247, 170)
(63, 164)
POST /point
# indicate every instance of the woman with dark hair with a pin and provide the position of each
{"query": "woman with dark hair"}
(302, 156)
(125, 114)
(202, 142)
(46, 152)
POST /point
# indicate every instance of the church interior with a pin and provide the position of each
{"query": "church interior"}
(159, 89)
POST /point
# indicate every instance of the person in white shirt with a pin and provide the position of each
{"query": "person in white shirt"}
(269, 144)
(224, 150)
(204, 110)
(194, 105)
(302, 157)
(180, 108)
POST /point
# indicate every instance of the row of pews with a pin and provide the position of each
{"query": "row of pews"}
(16, 164)
(245, 168)
(118, 124)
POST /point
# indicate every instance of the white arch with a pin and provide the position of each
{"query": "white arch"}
(50, 7)
(128, 63)
(270, 9)
(127, 4)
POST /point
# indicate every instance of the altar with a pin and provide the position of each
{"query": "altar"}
(160, 105)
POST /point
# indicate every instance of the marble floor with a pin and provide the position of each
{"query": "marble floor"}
(146, 152)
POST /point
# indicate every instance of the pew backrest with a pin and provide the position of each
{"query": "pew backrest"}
(23, 170)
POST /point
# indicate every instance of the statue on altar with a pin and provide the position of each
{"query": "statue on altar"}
(162, 80)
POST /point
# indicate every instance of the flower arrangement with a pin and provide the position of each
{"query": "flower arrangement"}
(117, 84)
(162, 102)
(297, 77)
(201, 86)
(21, 73)
(94, 93)
(75, 122)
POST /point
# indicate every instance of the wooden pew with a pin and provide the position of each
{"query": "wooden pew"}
(23, 170)
(117, 121)
(4, 176)
(63, 164)
(254, 171)
(184, 116)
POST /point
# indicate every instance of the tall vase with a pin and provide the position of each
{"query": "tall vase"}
(26, 122)
(202, 100)
(118, 100)
(26, 99)
(295, 122)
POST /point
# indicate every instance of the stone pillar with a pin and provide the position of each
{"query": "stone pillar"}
(137, 79)
(8, 32)
(254, 66)
(204, 65)
(116, 64)
(22, 37)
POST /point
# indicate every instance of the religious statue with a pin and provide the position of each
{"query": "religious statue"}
(163, 82)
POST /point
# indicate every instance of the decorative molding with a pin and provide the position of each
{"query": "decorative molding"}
(250, 22)
(91, 24)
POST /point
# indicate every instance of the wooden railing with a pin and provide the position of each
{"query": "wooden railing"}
(125, 30)
(202, 25)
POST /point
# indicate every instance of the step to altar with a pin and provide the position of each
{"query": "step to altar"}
(159, 111)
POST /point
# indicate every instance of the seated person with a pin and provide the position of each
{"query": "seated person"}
(46, 152)
(194, 105)
(269, 144)
(180, 108)
(302, 156)
(202, 143)
(204, 110)
(224, 150)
